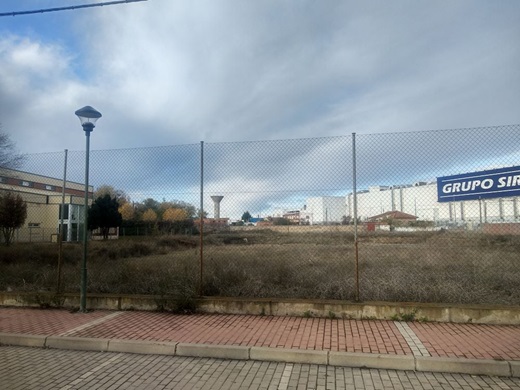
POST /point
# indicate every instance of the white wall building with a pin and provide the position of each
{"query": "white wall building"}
(323, 210)
(420, 199)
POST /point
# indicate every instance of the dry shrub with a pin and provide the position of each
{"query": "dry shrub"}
(423, 267)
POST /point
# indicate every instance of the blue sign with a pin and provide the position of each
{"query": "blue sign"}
(495, 183)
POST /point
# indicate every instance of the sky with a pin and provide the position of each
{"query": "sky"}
(172, 72)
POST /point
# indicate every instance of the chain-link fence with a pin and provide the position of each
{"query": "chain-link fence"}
(360, 217)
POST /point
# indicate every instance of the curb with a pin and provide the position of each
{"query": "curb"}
(487, 367)
(372, 360)
(142, 347)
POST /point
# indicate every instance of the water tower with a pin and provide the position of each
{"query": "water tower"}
(216, 201)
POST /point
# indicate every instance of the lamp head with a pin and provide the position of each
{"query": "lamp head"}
(88, 117)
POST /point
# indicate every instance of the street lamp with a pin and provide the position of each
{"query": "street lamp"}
(88, 117)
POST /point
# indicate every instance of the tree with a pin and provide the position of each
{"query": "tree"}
(175, 220)
(190, 210)
(13, 212)
(246, 216)
(8, 157)
(104, 214)
(127, 211)
(121, 197)
(150, 216)
(151, 204)
(174, 214)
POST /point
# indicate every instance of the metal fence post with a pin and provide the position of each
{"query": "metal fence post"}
(201, 216)
(354, 197)
(60, 235)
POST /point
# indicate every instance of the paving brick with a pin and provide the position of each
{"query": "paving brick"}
(488, 343)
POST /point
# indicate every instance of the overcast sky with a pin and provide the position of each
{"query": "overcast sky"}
(167, 72)
(172, 72)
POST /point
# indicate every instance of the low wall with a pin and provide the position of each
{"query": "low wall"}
(501, 228)
(302, 228)
(479, 314)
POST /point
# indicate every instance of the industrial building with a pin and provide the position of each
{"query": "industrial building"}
(471, 199)
(324, 210)
(43, 196)
(420, 199)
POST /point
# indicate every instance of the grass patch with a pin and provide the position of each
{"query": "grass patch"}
(449, 267)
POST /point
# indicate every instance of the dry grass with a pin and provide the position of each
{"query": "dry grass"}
(422, 267)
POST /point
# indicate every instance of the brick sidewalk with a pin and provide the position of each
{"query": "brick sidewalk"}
(469, 341)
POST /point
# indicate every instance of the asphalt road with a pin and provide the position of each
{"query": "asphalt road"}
(36, 368)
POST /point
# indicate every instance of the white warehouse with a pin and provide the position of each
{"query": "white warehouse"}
(323, 210)
(420, 199)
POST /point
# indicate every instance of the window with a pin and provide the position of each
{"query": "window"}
(26, 183)
(66, 211)
(2, 179)
(49, 188)
(34, 225)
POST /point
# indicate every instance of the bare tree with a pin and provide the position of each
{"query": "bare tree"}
(8, 156)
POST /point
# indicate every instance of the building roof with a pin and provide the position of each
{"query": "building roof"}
(399, 215)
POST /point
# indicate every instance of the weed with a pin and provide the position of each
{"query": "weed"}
(332, 315)
(406, 317)
(303, 263)
(185, 305)
(308, 314)
(47, 300)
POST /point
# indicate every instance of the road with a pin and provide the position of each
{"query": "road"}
(35, 368)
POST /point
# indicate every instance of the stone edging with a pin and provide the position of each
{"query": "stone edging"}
(475, 314)
(332, 358)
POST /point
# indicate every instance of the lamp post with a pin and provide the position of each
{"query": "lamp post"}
(88, 117)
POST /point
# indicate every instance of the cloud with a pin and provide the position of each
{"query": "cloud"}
(167, 72)
(37, 86)
(176, 73)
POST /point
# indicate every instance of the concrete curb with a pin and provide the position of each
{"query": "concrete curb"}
(77, 343)
(23, 340)
(369, 360)
(213, 351)
(515, 369)
(303, 356)
(466, 366)
(142, 347)
(501, 368)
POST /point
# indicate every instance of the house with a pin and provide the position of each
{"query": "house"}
(395, 216)
(293, 216)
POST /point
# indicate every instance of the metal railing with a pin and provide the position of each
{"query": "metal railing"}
(353, 218)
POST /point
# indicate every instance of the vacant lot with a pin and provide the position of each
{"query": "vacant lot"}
(445, 267)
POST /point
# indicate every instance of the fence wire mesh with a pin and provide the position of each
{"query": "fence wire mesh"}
(278, 219)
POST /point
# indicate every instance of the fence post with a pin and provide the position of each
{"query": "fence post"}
(201, 216)
(354, 198)
(60, 230)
